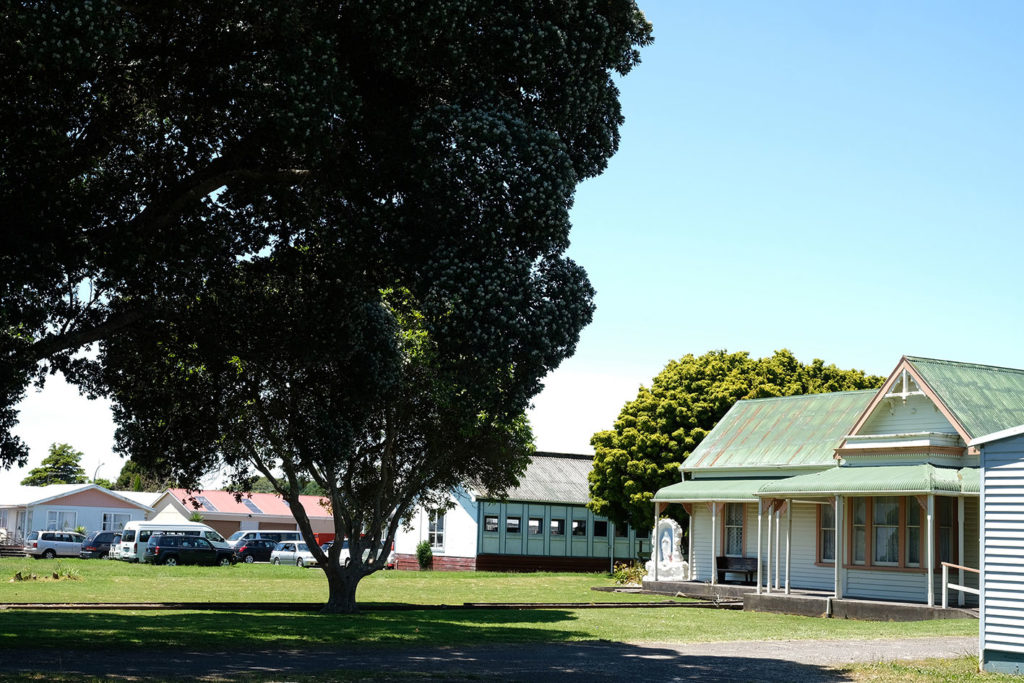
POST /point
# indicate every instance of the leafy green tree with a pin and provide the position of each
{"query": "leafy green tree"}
(147, 150)
(105, 483)
(152, 476)
(664, 423)
(228, 200)
(60, 466)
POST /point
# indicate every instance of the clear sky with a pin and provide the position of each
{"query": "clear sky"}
(840, 179)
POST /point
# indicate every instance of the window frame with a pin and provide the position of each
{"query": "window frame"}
(558, 522)
(518, 525)
(111, 524)
(725, 530)
(57, 521)
(487, 522)
(539, 527)
(578, 528)
(819, 554)
(436, 529)
(902, 564)
(603, 534)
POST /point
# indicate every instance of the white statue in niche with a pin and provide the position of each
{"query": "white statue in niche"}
(666, 540)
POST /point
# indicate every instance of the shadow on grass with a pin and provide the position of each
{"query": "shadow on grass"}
(234, 631)
(541, 662)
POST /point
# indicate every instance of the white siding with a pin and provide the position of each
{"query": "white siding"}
(459, 530)
(888, 585)
(918, 414)
(1002, 545)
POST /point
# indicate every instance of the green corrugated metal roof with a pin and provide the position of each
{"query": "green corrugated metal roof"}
(984, 398)
(784, 431)
(900, 479)
(711, 489)
(554, 478)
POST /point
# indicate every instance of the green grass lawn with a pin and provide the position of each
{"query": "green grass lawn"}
(106, 581)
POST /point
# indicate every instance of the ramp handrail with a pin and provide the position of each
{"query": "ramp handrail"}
(946, 585)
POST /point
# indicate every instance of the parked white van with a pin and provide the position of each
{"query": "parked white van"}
(135, 536)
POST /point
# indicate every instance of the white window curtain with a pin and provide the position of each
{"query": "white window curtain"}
(61, 520)
(115, 521)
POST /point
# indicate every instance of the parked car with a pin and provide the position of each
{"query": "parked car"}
(344, 556)
(96, 544)
(255, 550)
(242, 537)
(293, 552)
(135, 536)
(50, 544)
(115, 547)
(175, 549)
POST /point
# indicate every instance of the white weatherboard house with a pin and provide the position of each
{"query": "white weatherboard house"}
(24, 509)
(857, 495)
(543, 524)
(1002, 551)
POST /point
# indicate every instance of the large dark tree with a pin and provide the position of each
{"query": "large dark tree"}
(664, 423)
(245, 187)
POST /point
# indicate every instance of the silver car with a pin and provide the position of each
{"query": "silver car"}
(293, 552)
(50, 544)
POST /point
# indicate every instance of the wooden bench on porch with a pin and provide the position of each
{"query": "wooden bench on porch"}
(737, 565)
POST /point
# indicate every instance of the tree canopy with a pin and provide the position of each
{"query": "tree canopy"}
(309, 238)
(664, 423)
(60, 466)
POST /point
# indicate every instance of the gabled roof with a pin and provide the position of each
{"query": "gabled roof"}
(554, 478)
(224, 503)
(18, 495)
(788, 431)
(982, 398)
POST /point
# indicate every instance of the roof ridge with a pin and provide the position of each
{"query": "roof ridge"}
(809, 395)
(999, 368)
(551, 454)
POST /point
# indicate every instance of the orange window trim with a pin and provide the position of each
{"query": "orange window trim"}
(869, 525)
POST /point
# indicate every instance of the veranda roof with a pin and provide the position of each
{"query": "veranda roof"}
(721, 490)
(884, 479)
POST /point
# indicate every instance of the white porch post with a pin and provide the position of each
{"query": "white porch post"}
(771, 513)
(760, 516)
(838, 503)
(654, 540)
(789, 540)
(689, 546)
(931, 549)
(960, 547)
(778, 523)
(714, 553)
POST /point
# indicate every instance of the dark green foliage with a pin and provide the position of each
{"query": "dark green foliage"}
(315, 241)
(60, 466)
(151, 476)
(424, 555)
(664, 423)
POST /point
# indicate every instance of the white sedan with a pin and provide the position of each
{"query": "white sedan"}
(293, 552)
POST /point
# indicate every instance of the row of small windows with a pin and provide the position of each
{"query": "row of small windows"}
(556, 527)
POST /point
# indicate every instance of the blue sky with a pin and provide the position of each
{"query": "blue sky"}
(843, 180)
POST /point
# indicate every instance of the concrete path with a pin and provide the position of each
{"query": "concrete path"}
(787, 660)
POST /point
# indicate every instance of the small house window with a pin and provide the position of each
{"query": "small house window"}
(886, 524)
(536, 525)
(435, 531)
(734, 529)
(60, 520)
(600, 529)
(621, 530)
(558, 527)
(512, 525)
(491, 523)
(579, 527)
(115, 521)
(826, 533)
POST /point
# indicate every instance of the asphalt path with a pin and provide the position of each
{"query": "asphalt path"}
(774, 660)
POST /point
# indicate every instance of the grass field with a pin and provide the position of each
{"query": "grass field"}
(106, 581)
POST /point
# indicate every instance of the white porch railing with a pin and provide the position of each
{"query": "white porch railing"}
(946, 585)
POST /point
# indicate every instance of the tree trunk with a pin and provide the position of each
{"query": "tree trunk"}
(341, 584)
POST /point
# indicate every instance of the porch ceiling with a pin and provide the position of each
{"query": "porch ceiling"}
(901, 479)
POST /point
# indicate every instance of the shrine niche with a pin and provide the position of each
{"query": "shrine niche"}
(666, 543)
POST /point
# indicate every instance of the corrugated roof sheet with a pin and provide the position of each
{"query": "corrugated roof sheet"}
(898, 479)
(784, 431)
(726, 490)
(269, 503)
(554, 478)
(983, 398)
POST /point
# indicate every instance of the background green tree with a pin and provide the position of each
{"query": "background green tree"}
(60, 466)
(664, 423)
(151, 476)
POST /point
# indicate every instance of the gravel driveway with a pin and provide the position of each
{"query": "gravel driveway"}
(786, 660)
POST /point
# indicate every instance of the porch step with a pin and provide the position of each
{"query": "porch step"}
(11, 551)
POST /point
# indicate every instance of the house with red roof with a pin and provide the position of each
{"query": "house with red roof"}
(253, 511)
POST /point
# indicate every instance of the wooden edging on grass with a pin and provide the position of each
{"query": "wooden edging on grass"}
(315, 607)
